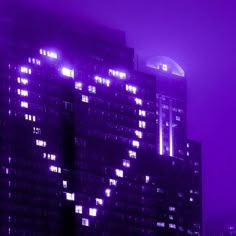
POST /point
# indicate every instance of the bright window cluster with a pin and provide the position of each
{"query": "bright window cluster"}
(161, 224)
(138, 101)
(118, 74)
(50, 54)
(142, 113)
(139, 134)
(103, 81)
(92, 211)
(112, 182)
(25, 70)
(135, 143)
(24, 104)
(132, 154)
(68, 72)
(78, 209)
(22, 92)
(126, 163)
(130, 88)
(55, 169)
(34, 61)
(142, 124)
(78, 85)
(40, 143)
(70, 196)
(119, 173)
(30, 117)
(22, 81)
(91, 89)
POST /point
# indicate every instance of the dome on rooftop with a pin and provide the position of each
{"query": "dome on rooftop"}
(165, 64)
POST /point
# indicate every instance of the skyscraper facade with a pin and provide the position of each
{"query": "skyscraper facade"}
(91, 146)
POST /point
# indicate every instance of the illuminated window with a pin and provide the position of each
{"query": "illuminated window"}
(108, 192)
(55, 169)
(135, 143)
(22, 81)
(78, 209)
(91, 89)
(142, 113)
(177, 118)
(99, 202)
(138, 101)
(25, 70)
(119, 173)
(85, 99)
(171, 217)
(42, 52)
(52, 54)
(64, 183)
(36, 130)
(103, 81)
(68, 72)
(40, 143)
(118, 74)
(85, 222)
(164, 67)
(126, 163)
(142, 124)
(24, 104)
(191, 199)
(147, 179)
(51, 157)
(139, 134)
(78, 85)
(187, 153)
(132, 154)
(130, 88)
(112, 182)
(70, 196)
(187, 145)
(159, 190)
(161, 224)
(172, 226)
(92, 211)
(171, 208)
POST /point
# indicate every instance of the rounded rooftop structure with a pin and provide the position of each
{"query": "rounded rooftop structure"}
(165, 64)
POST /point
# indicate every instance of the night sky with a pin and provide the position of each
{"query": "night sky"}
(201, 37)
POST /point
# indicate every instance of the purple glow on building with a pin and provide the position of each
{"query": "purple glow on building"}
(171, 131)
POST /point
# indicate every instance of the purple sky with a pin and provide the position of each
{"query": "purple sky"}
(201, 37)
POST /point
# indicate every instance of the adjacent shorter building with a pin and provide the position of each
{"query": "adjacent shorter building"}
(90, 146)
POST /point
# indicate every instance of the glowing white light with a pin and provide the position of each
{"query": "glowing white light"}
(92, 211)
(70, 196)
(142, 124)
(85, 222)
(138, 101)
(147, 179)
(172, 226)
(22, 92)
(132, 154)
(40, 143)
(85, 99)
(108, 192)
(119, 173)
(68, 72)
(99, 201)
(130, 88)
(78, 209)
(22, 81)
(171, 208)
(52, 54)
(78, 85)
(126, 163)
(164, 67)
(135, 143)
(139, 134)
(112, 182)
(91, 89)
(191, 199)
(101, 80)
(64, 184)
(24, 104)
(25, 70)
(142, 113)
(118, 74)
(161, 224)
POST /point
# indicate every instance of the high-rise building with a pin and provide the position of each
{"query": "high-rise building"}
(89, 145)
